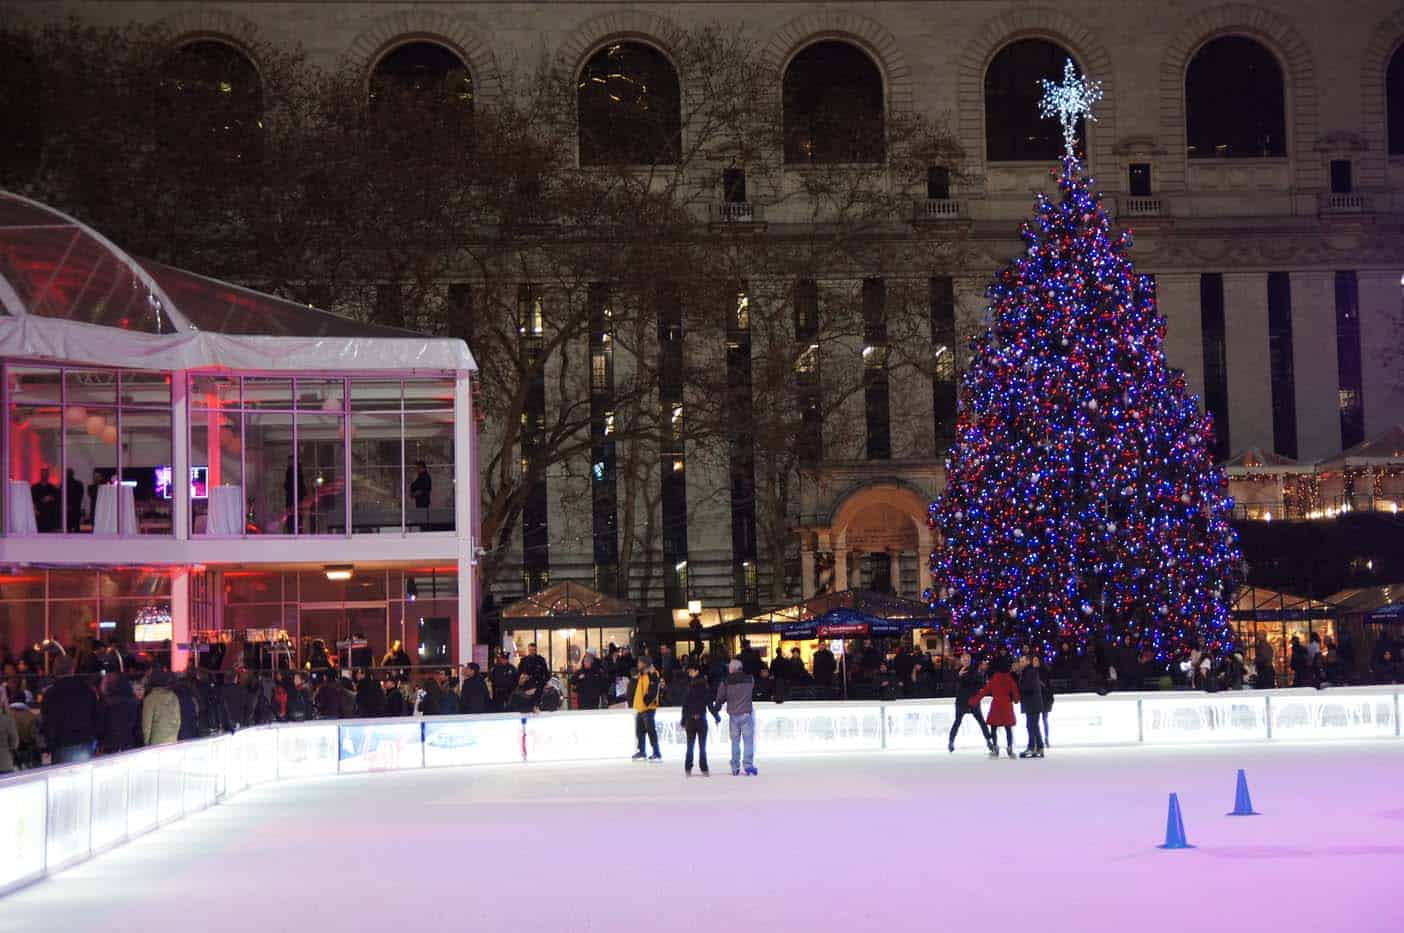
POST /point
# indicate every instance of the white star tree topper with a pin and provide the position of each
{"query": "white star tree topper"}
(1068, 101)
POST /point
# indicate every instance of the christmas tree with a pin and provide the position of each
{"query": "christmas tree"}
(1082, 500)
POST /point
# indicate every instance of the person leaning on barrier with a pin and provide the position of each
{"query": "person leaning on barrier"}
(472, 691)
(590, 682)
(503, 680)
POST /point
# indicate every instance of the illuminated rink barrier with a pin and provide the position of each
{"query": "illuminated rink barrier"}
(54, 818)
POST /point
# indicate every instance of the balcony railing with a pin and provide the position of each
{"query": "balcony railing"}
(737, 212)
(937, 209)
(1143, 207)
(1344, 204)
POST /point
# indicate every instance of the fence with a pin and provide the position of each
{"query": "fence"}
(56, 817)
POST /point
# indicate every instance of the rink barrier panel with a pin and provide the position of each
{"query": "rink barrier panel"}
(54, 818)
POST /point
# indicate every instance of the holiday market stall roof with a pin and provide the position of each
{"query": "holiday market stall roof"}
(566, 603)
(1387, 447)
(68, 293)
(849, 613)
(1255, 459)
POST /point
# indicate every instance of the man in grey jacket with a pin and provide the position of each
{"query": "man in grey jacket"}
(735, 693)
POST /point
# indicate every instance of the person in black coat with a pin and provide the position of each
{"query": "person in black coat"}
(525, 697)
(589, 683)
(503, 678)
(1031, 696)
(472, 691)
(395, 704)
(185, 690)
(69, 715)
(119, 716)
(824, 666)
(968, 682)
(695, 707)
(370, 697)
(535, 667)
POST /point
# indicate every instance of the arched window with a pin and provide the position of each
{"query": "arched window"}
(1235, 105)
(629, 107)
(1014, 130)
(212, 98)
(833, 102)
(1394, 101)
(418, 73)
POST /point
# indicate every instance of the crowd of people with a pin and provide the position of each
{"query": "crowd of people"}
(99, 699)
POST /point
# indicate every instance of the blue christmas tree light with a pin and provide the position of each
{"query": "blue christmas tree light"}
(1081, 497)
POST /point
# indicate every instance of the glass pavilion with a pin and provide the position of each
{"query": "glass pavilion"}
(191, 461)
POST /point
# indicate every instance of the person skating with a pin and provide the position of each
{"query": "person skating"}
(968, 683)
(644, 701)
(1003, 693)
(695, 707)
(736, 693)
(1031, 693)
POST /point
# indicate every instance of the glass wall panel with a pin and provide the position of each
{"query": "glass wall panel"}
(91, 456)
(72, 622)
(375, 395)
(147, 466)
(262, 392)
(321, 460)
(150, 389)
(429, 453)
(90, 387)
(428, 394)
(35, 451)
(272, 486)
(252, 586)
(21, 626)
(73, 584)
(215, 464)
(214, 390)
(321, 394)
(375, 471)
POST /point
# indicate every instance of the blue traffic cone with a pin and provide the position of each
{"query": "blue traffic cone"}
(1242, 803)
(1175, 827)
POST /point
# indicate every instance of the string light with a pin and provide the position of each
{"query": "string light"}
(1082, 500)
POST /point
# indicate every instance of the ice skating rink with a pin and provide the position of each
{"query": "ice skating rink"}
(899, 842)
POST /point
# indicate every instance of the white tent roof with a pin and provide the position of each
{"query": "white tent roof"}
(68, 293)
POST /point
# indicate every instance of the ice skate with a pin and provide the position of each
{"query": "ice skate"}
(638, 756)
(751, 772)
(1028, 753)
(1010, 750)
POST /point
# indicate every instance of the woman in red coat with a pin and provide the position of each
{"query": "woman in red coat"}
(1003, 692)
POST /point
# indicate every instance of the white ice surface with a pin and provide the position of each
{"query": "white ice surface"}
(919, 842)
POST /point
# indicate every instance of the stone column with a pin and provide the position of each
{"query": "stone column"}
(808, 583)
(894, 570)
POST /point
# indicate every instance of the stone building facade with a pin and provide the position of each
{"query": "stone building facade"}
(1278, 270)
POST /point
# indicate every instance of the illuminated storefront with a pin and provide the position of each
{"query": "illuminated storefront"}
(186, 453)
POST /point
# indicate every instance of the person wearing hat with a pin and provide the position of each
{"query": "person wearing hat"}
(647, 688)
(695, 706)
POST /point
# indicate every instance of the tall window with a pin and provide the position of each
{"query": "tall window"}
(1014, 131)
(811, 435)
(629, 107)
(1235, 102)
(1351, 394)
(1211, 323)
(672, 446)
(741, 439)
(603, 494)
(93, 448)
(421, 72)
(876, 401)
(943, 349)
(1284, 400)
(210, 97)
(536, 554)
(1394, 101)
(833, 101)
